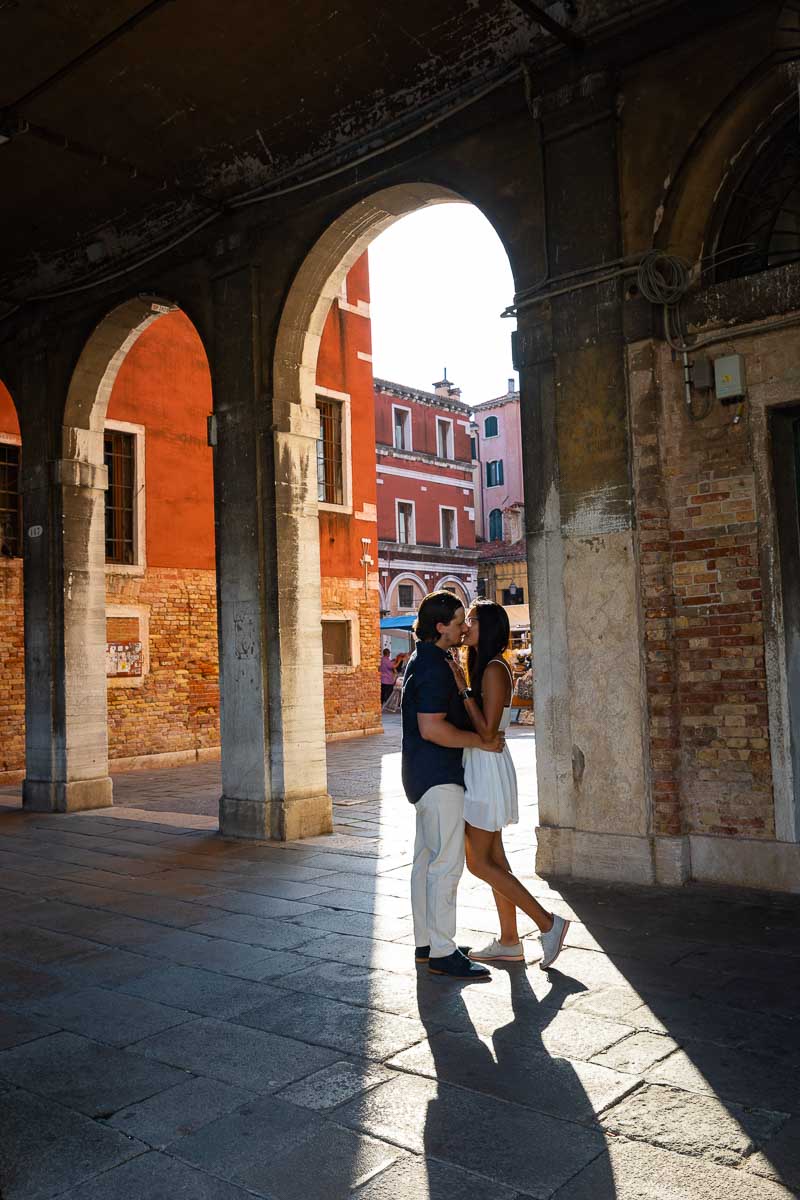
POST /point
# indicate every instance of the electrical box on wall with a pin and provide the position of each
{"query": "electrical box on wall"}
(729, 377)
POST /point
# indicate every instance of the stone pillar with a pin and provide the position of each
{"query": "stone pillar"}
(66, 738)
(274, 780)
(594, 792)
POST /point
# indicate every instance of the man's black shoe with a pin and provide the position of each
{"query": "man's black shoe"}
(458, 966)
(423, 953)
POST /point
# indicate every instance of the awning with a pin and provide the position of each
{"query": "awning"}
(519, 616)
(406, 622)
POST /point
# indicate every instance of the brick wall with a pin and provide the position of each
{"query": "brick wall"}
(12, 668)
(702, 608)
(176, 706)
(352, 695)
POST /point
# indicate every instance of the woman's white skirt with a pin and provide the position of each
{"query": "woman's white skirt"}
(490, 789)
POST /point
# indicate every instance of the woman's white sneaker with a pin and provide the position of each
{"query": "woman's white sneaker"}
(497, 952)
(553, 941)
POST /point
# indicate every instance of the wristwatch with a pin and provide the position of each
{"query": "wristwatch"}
(466, 694)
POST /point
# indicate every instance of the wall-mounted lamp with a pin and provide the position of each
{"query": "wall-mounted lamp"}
(366, 561)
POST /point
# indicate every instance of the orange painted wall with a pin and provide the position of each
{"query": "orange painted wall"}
(339, 368)
(164, 384)
(8, 414)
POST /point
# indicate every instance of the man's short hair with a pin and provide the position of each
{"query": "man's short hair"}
(437, 608)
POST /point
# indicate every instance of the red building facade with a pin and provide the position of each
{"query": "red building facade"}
(426, 495)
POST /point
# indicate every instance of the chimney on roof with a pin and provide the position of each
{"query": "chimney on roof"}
(445, 388)
(511, 388)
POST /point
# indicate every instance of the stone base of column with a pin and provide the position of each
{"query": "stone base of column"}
(673, 860)
(276, 820)
(607, 857)
(47, 795)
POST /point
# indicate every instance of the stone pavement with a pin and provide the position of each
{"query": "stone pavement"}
(186, 1016)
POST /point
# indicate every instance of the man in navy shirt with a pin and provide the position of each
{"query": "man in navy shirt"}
(436, 729)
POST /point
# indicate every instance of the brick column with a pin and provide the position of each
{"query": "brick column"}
(594, 791)
(274, 781)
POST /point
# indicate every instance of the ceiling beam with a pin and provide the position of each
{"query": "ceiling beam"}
(547, 22)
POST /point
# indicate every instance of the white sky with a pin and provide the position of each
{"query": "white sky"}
(439, 280)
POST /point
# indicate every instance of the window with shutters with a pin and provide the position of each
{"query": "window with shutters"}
(405, 522)
(10, 501)
(330, 457)
(120, 461)
(494, 473)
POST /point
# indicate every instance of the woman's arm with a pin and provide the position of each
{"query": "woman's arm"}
(434, 727)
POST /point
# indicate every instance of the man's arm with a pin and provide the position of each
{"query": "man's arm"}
(435, 727)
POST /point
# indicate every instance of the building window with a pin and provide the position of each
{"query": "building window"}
(401, 421)
(120, 461)
(10, 502)
(405, 595)
(405, 522)
(494, 473)
(490, 427)
(495, 525)
(473, 448)
(330, 473)
(444, 438)
(513, 595)
(447, 517)
(336, 647)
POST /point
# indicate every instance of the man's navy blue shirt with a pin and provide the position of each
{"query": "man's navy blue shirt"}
(429, 687)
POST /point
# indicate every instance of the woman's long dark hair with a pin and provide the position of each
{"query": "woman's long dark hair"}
(494, 633)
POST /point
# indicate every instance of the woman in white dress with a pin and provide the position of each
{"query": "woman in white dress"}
(490, 789)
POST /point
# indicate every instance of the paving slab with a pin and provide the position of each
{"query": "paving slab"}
(343, 1027)
(688, 1123)
(755, 1080)
(575, 1091)
(636, 1171)
(384, 990)
(246, 1139)
(256, 931)
(327, 1166)
(81, 1074)
(202, 992)
(179, 1110)
(46, 1148)
(212, 954)
(516, 1147)
(107, 1016)
(360, 924)
(361, 951)
(413, 1177)
(245, 1057)
(636, 1053)
(157, 1177)
(16, 1029)
(334, 1085)
(779, 1157)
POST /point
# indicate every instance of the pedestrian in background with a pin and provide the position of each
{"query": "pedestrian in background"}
(387, 672)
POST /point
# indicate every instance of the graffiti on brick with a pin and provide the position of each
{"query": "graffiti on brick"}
(123, 658)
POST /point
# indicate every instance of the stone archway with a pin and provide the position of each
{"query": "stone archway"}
(65, 630)
(297, 753)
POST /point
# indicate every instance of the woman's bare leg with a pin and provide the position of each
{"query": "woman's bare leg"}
(481, 864)
(506, 910)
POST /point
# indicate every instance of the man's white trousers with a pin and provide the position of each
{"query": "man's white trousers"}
(438, 866)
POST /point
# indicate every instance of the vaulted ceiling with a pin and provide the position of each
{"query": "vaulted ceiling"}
(124, 121)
